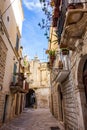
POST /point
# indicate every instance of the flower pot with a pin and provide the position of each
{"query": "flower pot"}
(65, 52)
(52, 58)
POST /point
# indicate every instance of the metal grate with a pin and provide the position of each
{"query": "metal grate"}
(55, 128)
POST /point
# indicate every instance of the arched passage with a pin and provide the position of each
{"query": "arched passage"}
(82, 91)
(85, 78)
(81, 72)
(30, 99)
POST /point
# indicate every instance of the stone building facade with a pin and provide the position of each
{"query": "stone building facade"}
(11, 98)
(39, 84)
(68, 95)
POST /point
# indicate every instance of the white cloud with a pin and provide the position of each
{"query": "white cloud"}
(32, 5)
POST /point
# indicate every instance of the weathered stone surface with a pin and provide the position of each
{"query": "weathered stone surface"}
(33, 119)
(41, 82)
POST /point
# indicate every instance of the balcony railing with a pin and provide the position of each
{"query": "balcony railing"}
(61, 69)
(60, 74)
(74, 27)
(18, 86)
(71, 21)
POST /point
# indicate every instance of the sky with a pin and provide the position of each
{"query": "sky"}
(33, 40)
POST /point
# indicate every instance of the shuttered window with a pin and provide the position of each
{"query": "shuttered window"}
(14, 72)
(17, 43)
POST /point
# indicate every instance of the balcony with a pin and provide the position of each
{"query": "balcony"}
(61, 69)
(52, 57)
(62, 75)
(74, 26)
(18, 86)
(71, 21)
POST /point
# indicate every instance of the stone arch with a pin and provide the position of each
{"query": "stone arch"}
(30, 98)
(80, 92)
(80, 72)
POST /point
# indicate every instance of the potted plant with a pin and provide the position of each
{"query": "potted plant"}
(52, 4)
(65, 51)
(52, 56)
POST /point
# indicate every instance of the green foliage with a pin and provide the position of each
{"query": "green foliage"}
(64, 49)
(51, 52)
(46, 22)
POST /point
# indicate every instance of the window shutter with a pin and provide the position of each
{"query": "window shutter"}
(14, 71)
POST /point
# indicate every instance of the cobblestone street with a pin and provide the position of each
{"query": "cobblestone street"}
(33, 119)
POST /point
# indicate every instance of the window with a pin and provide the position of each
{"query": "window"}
(14, 72)
(17, 43)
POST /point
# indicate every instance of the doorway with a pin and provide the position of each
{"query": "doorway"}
(82, 87)
(5, 108)
(30, 99)
(85, 79)
(60, 101)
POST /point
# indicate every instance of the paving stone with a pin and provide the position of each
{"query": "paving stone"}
(33, 119)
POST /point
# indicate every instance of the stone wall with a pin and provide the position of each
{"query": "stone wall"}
(5, 107)
(78, 59)
(3, 52)
(64, 102)
(2, 100)
(41, 82)
(55, 101)
(42, 97)
(11, 26)
(69, 105)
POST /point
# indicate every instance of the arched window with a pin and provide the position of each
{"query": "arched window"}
(30, 98)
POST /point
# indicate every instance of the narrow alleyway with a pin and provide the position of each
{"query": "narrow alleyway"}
(33, 119)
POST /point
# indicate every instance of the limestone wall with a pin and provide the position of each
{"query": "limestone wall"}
(78, 59)
(2, 100)
(69, 105)
(40, 78)
(10, 28)
(42, 97)
(3, 53)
